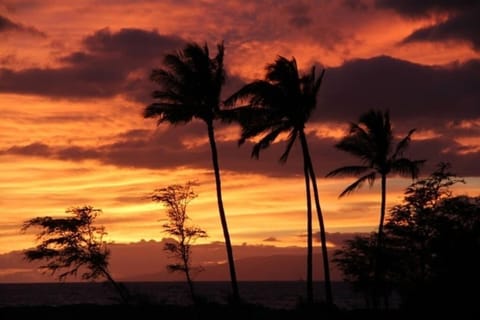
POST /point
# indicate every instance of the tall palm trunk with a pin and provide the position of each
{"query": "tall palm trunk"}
(378, 271)
(382, 211)
(221, 210)
(309, 235)
(323, 240)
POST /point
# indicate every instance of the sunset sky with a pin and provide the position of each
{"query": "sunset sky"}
(74, 80)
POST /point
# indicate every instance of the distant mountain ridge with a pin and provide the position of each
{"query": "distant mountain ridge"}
(146, 261)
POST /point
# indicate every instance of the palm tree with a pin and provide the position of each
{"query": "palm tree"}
(283, 103)
(191, 84)
(372, 140)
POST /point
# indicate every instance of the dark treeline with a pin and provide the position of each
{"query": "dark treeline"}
(431, 252)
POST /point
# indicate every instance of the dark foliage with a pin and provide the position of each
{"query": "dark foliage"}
(432, 247)
(176, 199)
(71, 245)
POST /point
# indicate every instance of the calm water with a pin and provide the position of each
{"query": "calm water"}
(272, 294)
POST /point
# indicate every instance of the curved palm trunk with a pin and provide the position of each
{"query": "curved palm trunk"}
(378, 277)
(309, 235)
(382, 211)
(221, 210)
(323, 240)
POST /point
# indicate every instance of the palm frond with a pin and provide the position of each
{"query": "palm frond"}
(169, 112)
(290, 142)
(348, 171)
(166, 78)
(177, 64)
(240, 114)
(246, 115)
(197, 58)
(167, 95)
(259, 126)
(308, 95)
(255, 92)
(219, 70)
(406, 167)
(356, 145)
(379, 129)
(267, 140)
(370, 178)
(283, 74)
(403, 144)
(359, 131)
(319, 80)
(190, 80)
(281, 70)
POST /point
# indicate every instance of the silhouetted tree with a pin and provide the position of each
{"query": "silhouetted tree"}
(176, 199)
(436, 236)
(410, 225)
(432, 248)
(283, 103)
(191, 84)
(71, 244)
(356, 261)
(372, 141)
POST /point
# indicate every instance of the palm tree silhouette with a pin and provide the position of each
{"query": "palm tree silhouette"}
(191, 83)
(372, 140)
(283, 103)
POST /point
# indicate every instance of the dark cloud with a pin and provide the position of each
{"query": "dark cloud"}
(462, 23)
(39, 149)
(167, 149)
(415, 8)
(427, 96)
(462, 27)
(444, 100)
(133, 45)
(7, 25)
(299, 15)
(8, 59)
(271, 239)
(77, 153)
(355, 4)
(170, 148)
(73, 82)
(33, 149)
(446, 149)
(111, 63)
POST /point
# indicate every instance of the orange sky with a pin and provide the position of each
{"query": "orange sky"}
(74, 82)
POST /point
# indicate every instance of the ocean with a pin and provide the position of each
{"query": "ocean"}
(281, 294)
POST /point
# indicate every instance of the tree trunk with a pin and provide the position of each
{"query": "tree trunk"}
(190, 283)
(185, 250)
(378, 271)
(382, 211)
(323, 240)
(221, 211)
(122, 291)
(309, 236)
